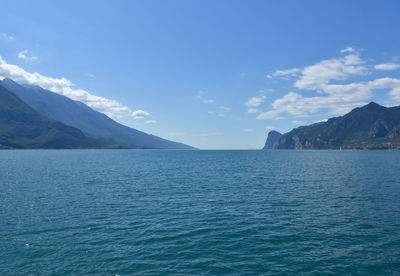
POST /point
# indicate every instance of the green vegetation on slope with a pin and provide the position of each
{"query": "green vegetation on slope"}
(90, 122)
(369, 127)
(22, 127)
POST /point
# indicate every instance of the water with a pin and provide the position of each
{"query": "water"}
(134, 212)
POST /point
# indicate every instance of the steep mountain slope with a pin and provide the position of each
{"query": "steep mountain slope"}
(23, 127)
(91, 122)
(369, 127)
(272, 140)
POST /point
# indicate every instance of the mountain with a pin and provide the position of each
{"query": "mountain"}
(272, 140)
(369, 127)
(23, 127)
(92, 123)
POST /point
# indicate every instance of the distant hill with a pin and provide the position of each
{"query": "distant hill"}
(272, 139)
(369, 127)
(22, 127)
(90, 122)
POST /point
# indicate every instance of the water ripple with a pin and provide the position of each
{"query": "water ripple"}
(133, 212)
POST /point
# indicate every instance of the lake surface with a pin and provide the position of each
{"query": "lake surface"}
(148, 212)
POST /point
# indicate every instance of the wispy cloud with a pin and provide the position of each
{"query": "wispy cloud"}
(150, 122)
(225, 108)
(248, 130)
(336, 98)
(348, 50)
(387, 66)
(271, 115)
(292, 72)
(140, 114)
(317, 76)
(25, 56)
(64, 87)
(256, 101)
(200, 94)
(253, 110)
(7, 37)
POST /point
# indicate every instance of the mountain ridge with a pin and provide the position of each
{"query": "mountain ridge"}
(368, 127)
(92, 123)
(272, 140)
(21, 127)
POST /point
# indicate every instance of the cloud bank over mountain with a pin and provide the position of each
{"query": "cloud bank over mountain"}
(64, 87)
(330, 82)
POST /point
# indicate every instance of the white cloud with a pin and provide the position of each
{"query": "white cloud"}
(292, 72)
(64, 87)
(7, 36)
(221, 115)
(338, 99)
(317, 76)
(248, 130)
(200, 94)
(253, 110)
(209, 101)
(256, 101)
(140, 114)
(334, 99)
(348, 50)
(269, 76)
(388, 83)
(24, 55)
(271, 115)
(387, 66)
(90, 75)
(150, 122)
(224, 108)
(341, 99)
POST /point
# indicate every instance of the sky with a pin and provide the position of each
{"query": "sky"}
(211, 74)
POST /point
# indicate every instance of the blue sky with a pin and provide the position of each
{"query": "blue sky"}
(212, 74)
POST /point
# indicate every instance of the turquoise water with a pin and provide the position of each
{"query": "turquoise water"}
(143, 212)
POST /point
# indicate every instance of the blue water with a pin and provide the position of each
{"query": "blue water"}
(143, 212)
